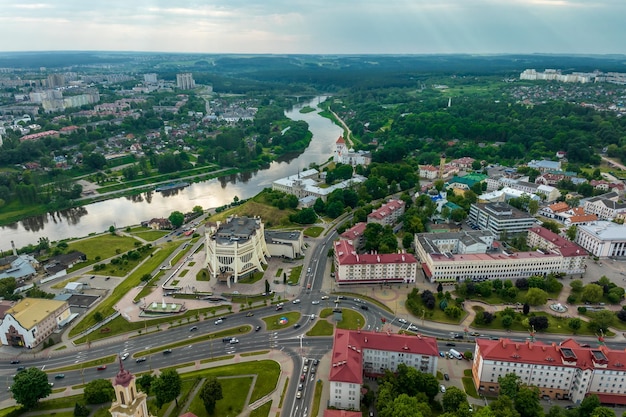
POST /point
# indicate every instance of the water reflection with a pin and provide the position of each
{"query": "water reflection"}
(212, 193)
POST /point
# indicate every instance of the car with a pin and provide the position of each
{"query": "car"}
(20, 368)
(51, 384)
(325, 297)
(227, 339)
(125, 355)
(306, 361)
(313, 369)
(193, 328)
(332, 274)
(59, 376)
(296, 326)
(450, 344)
(458, 336)
(570, 407)
(296, 301)
(315, 362)
(139, 360)
(234, 341)
(236, 292)
(442, 354)
(167, 351)
(300, 387)
(341, 297)
(101, 368)
(475, 334)
(403, 321)
(471, 409)
(315, 302)
(442, 388)
(250, 314)
(585, 345)
(302, 378)
(308, 270)
(257, 328)
(15, 361)
(299, 395)
(219, 321)
(357, 300)
(92, 277)
(107, 278)
(446, 377)
(413, 327)
(364, 307)
(305, 369)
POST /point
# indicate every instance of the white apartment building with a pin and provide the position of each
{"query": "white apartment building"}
(500, 218)
(235, 249)
(603, 238)
(472, 256)
(352, 268)
(550, 193)
(574, 256)
(358, 353)
(605, 206)
(388, 214)
(185, 81)
(566, 371)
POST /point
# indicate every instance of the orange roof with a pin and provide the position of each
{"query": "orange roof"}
(583, 218)
(559, 207)
(340, 140)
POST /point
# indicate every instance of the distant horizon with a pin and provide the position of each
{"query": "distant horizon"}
(297, 27)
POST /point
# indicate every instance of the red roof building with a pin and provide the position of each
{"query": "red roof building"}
(341, 413)
(388, 213)
(354, 268)
(565, 371)
(355, 235)
(357, 354)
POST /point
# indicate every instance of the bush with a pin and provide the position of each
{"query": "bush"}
(582, 310)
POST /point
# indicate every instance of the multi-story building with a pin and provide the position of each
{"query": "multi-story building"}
(359, 354)
(606, 206)
(343, 155)
(464, 163)
(185, 81)
(235, 249)
(550, 193)
(429, 172)
(308, 184)
(473, 256)
(566, 371)
(574, 256)
(32, 320)
(355, 235)
(603, 238)
(500, 218)
(285, 244)
(388, 214)
(352, 268)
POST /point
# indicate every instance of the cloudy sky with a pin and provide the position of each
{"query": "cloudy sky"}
(316, 26)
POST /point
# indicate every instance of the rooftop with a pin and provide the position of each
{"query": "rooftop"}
(30, 311)
(347, 255)
(605, 230)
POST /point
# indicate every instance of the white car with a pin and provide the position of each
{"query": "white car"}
(315, 302)
(219, 321)
(442, 388)
(325, 297)
(233, 341)
(403, 321)
(413, 327)
(296, 301)
(125, 355)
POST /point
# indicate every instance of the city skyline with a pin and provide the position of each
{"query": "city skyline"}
(298, 27)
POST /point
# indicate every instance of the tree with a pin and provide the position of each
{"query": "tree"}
(536, 297)
(533, 207)
(539, 322)
(469, 355)
(576, 285)
(197, 209)
(210, 393)
(527, 402)
(80, 410)
(603, 412)
(510, 385)
(98, 391)
(177, 219)
(601, 320)
(401, 406)
(453, 398)
(29, 386)
(507, 321)
(112, 229)
(551, 226)
(526, 309)
(592, 293)
(571, 232)
(587, 405)
(503, 406)
(575, 324)
(166, 387)
(144, 382)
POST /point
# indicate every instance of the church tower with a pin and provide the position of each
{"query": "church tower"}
(340, 149)
(442, 165)
(128, 401)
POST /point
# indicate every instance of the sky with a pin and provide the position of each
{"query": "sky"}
(316, 26)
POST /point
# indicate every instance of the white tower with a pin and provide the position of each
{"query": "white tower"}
(340, 149)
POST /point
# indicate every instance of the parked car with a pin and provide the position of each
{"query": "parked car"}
(250, 314)
(403, 321)
(325, 297)
(442, 388)
(446, 377)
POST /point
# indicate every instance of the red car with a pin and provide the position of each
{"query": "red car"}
(101, 367)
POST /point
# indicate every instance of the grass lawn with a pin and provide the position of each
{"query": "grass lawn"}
(317, 397)
(105, 308)
(262, 411)
(294, 275)
(279, 273)
(148, 234)
(321, 328)
(85, 365)
(124, 267)
(203, 275)
(468, 384)
(556, 325)
(272, 322)
(307, 109)
(272, 216)
(235, 392)
(436, 314)
(314, 231)
(495, 299)
(251, 279)
(183, 273)
(351, 319)
(105, 246)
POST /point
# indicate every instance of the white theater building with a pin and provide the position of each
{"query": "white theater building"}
(235, 249)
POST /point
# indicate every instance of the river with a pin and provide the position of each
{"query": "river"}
(131, 210)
